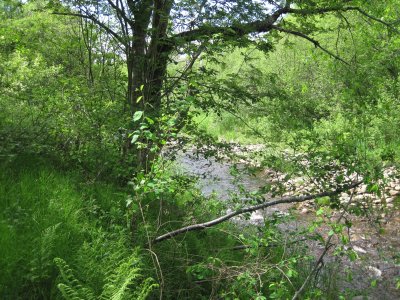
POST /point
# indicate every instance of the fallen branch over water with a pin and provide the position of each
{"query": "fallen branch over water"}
(292, 199)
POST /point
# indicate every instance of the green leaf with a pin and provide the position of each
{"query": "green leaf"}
(137, 116)
(134, 138)
(323, 201)
(139, 98)
(290, 273)
(373, 188)
(352, 255)
(150, 121)
(348, 223)
(374, 283)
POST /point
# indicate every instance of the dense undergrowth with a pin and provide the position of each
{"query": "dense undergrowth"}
(50, 213)
(66, 237)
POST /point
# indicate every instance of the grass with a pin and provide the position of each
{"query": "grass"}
(46, 213)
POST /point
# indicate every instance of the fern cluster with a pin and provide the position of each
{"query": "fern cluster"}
(125, 281)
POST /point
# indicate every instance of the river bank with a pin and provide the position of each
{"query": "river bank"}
(373, 236)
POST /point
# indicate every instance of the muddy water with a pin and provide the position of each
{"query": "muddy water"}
(378, 247)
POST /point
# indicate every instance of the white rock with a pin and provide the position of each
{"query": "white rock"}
(363, 189)
(389, 200)
(359, 249)
(375, 272)
(304, 211)
(358, 197)
(256, 218)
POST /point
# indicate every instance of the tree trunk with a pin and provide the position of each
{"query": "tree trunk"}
(147, 66)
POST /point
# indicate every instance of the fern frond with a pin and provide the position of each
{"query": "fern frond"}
(68, 292)
(125, 281)
(147, 287)
(72, 289)
(122, 276)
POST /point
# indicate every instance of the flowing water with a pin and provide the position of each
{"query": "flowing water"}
(214, 176)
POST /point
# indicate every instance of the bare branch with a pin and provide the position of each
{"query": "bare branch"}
(389, 25)
(244, 247)
(318, 11)
(253, 208)
(315, 42)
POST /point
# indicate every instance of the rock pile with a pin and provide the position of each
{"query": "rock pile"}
(385, 196)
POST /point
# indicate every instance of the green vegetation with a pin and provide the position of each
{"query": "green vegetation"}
(99, 98)
(48, 213)
(227, 128)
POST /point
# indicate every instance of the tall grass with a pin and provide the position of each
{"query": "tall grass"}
(46, 213)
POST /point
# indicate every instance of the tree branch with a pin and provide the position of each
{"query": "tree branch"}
(96, 21)
(390, 25)
(253, 208)
(123, 19)
(120, 12)
(305, 12)
(238, 30)
(184, 72)
(264, 26)
(315, 42)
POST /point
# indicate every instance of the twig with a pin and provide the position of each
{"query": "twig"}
(96, 21)
(185, 71)
(154, 256)
(328, 245)
(243, 247)
(310, 39)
